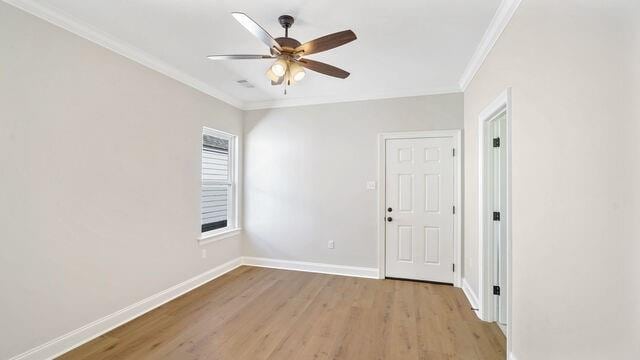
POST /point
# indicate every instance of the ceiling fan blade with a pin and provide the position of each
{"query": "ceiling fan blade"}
(256, 30)
(239, 57)
(326, 42)
(324, 68)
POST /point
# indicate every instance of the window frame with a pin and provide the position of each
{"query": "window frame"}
(233, 225)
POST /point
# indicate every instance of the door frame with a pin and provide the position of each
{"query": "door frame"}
(457, 191)
(485, 299)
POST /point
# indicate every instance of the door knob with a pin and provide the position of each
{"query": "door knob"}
(389, 219)
(389, 209)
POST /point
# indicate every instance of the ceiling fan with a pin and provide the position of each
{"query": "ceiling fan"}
(289, 53)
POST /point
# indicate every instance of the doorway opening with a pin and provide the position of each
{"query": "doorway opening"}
(494, 140)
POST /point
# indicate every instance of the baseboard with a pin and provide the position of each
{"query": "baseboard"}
(471, 296)
(364, 272)
(90, 331)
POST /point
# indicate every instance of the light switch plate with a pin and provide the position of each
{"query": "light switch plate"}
(371, 185)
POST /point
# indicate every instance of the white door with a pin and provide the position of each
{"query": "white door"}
(497, 204)
(419, 203)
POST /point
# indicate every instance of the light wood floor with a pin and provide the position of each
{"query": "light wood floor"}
(255, 313)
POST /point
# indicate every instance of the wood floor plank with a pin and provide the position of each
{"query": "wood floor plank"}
(186, 330)
(258, 314)
(402, 342)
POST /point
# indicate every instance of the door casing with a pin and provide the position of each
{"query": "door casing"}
(457, 191)
(485, 297)
(495, 200)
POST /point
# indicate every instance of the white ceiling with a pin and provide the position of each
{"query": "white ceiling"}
(404, 47)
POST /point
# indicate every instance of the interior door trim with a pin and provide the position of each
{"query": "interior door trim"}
(503, 103)
(456, 135)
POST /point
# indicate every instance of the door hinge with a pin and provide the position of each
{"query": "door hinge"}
(496, 142)
(496, 216)
(496, 290)
(453, 151)
(454, 267)
(454, 209)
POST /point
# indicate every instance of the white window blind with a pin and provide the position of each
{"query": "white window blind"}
(218, 183)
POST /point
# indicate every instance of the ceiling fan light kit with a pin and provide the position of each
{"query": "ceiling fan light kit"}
(297, 72)
(289, 53)
(279, 68)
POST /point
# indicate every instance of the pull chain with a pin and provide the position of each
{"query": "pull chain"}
(287, 80)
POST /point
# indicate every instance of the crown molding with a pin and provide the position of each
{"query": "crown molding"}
(75, 26)
(273, 104)
(500, 20)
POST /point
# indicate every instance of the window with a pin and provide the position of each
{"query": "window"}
(218, 190)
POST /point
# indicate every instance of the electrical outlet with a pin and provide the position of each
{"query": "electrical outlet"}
(204, 253)
(371, 185)
(331, 244)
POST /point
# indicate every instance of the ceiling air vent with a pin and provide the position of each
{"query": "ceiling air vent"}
(245, 84)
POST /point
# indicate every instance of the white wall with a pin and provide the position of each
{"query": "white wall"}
(306, 169)
(574, 69)
(99, 181)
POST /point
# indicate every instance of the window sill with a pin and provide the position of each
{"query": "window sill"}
(210, 238)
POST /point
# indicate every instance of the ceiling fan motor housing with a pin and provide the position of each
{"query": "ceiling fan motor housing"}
(287, 43)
